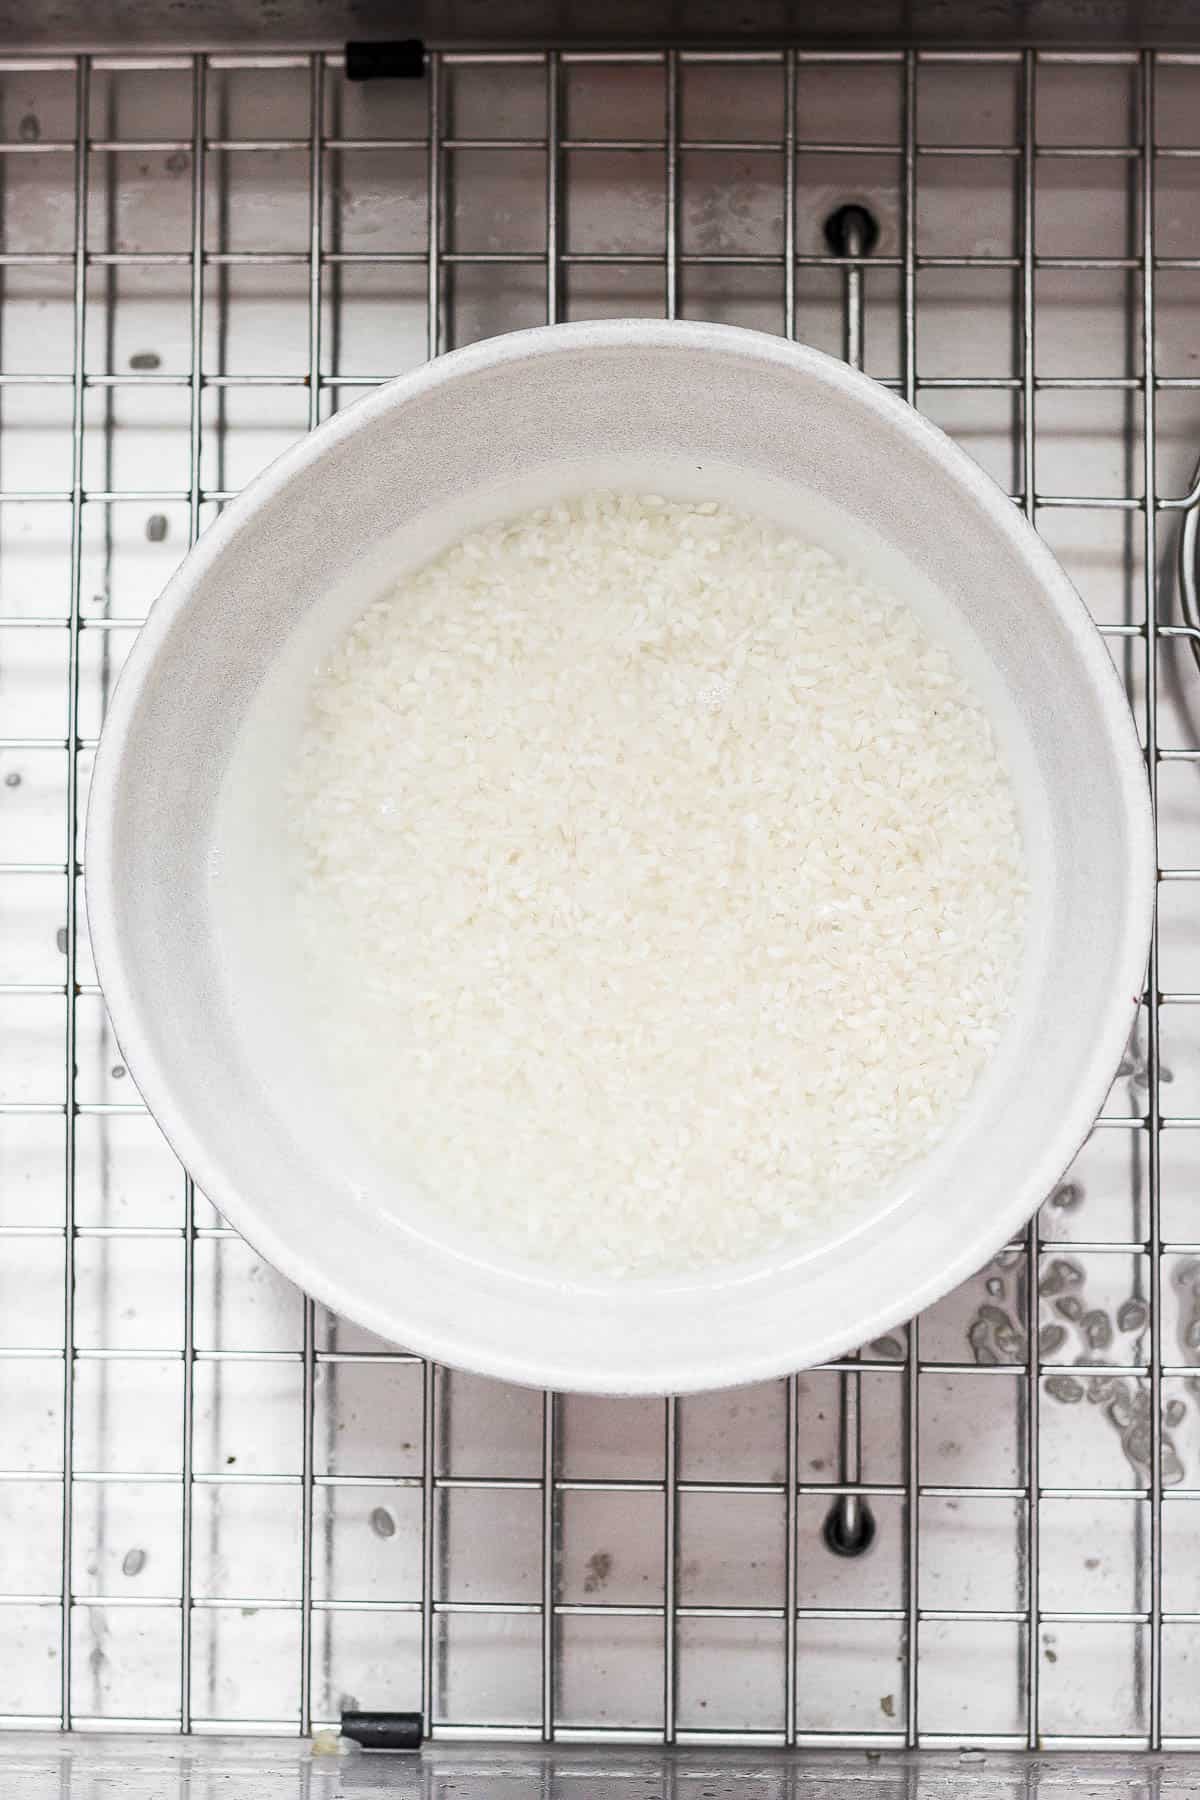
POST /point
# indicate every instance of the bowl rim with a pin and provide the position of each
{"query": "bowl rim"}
(300, 1260)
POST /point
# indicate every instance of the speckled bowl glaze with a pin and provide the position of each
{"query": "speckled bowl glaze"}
(184, 913)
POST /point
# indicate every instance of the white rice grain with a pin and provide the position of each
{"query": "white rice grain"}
(660, 881)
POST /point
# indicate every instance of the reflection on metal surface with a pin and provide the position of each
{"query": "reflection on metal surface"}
(145, 1769)
(1188, 557)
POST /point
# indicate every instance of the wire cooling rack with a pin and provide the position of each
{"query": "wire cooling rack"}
(221, 1508)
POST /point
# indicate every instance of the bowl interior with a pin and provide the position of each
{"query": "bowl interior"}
(187, 859)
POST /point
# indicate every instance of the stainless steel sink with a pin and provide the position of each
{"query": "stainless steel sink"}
(270, 1516)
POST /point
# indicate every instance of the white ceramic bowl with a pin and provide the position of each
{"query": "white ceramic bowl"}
(183, 872)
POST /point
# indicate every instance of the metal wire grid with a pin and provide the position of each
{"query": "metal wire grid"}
(548, 1610)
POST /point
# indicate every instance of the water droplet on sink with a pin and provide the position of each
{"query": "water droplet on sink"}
(1132, 1315)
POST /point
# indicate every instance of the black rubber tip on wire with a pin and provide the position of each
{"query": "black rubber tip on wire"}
(383, 1730)
(850, 1535)
(390, 59)
(852, 230)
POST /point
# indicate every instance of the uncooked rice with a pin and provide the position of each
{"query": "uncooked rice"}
(660, 884)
